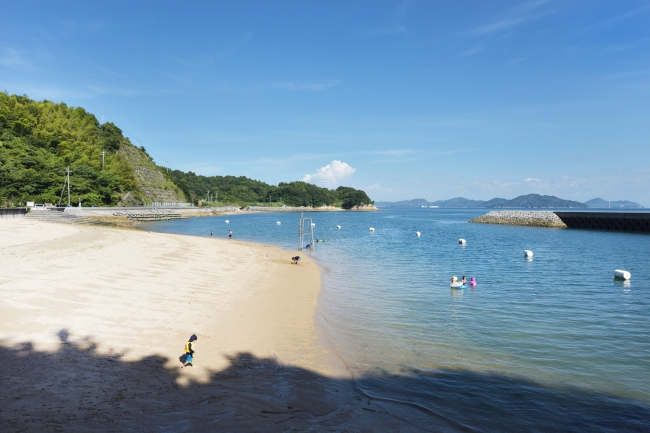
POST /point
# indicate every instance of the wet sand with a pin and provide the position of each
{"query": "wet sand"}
(93, 321)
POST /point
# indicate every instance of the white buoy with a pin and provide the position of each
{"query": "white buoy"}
(623, 275)
(417, 234)
(313, 224)
(372, 229)
(528, 254)
(278, 223)
(227, 221)
(462, 241)
(338, 227)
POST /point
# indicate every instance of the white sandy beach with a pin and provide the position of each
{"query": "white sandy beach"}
(93, 321)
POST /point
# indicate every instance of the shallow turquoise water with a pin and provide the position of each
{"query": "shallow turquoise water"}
(552, 343)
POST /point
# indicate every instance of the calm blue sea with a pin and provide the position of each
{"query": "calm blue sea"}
(548, 344)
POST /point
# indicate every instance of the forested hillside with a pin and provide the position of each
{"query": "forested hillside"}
(242, 190)
(40, 139)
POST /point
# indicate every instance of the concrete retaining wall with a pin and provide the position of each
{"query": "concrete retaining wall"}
(13, 212)
(625, 221)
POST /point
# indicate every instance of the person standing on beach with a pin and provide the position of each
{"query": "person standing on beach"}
(229, 234)
(210, 233)
(189, 351)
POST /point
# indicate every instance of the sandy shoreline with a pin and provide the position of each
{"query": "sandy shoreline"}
(93, 320)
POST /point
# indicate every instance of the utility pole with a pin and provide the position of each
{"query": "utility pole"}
(68, 186)
(103, 150)
(66, 181)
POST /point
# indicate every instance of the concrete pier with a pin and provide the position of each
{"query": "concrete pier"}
(520, 218)
(626, 221)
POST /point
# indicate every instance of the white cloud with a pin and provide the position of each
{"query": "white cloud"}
(398, 152)
(521, 13)
(11, 58)
(332, 175)
(310, 87)
(532, 179)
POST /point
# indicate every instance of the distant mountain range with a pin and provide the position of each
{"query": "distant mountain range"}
(524, 201)
(599, 203)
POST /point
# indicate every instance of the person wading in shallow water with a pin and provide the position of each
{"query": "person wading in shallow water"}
(189, 351)
(229, 234)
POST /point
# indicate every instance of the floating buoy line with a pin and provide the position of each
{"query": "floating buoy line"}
(618, 273)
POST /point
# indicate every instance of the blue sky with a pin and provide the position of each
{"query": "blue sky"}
(415, 99)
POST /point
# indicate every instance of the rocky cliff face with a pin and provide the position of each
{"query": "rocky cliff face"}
(365, 207)
(152, 184)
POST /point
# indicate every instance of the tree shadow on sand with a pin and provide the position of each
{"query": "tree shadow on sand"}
(78, 389)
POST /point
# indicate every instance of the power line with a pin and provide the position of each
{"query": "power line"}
(127, 134)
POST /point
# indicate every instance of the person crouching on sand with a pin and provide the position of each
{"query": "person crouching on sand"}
(189, 351)
(295, 260)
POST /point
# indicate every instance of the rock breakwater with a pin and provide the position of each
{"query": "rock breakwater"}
(521, 218)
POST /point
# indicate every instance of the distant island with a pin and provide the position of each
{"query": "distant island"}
(599, 203)
(524, 201)
(528, 201)
(39, 140)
